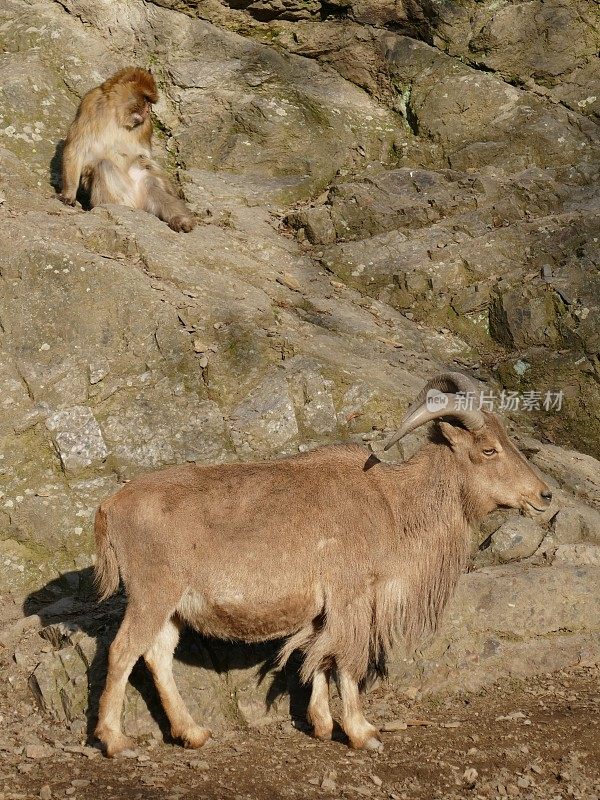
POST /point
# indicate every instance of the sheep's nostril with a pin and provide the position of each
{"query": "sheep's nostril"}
(547, 494)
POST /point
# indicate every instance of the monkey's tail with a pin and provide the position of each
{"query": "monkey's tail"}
(106, 570)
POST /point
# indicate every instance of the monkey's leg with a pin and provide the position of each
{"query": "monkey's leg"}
(152, 169)
(319, 714)
(165, 205)
(360, 732)
(109, 184)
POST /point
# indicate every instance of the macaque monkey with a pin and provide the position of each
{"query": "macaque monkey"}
(108, 150)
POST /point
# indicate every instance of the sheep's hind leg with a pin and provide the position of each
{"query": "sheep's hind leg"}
(159, 659)
(319, 714)
(360, 732)
(132, 639)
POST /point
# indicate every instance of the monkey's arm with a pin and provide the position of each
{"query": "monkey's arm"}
(72, 164)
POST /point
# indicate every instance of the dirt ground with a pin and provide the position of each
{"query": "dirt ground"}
(534, 739)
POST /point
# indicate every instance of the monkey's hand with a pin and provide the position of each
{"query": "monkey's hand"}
(68, 198)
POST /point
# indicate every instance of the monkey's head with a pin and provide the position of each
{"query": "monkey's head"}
(132, 91)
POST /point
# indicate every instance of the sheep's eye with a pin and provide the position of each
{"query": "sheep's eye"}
(490, 452)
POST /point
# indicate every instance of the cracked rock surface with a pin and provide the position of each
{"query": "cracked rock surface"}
(385, 189)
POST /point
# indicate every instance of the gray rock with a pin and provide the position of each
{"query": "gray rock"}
(519, 319)
(166, 428)
(46, 683)
(266, 418)
(516, 538)
(255, 711)
(576, 523)
(35, 751)
(319, 413)
(316, 223)
(77, 438)
(98, 369)
(354, 401)
(312, 397)
(527, 41)
(547, 548)
(578, 555)
(509, 620)
(576, 472)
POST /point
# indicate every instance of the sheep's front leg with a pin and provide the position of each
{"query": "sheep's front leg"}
(360, 732)
(319, 714)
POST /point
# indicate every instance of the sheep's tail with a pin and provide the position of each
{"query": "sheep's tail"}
(338, 635)
(299, 641)
(106, 570)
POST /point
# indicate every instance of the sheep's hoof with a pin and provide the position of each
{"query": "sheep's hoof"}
(114, 743)
(322, 724)
(194, 738)
(370, 740)
(323, 732)
(374, 743)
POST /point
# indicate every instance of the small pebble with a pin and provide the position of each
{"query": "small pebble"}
(470, 776)
(38, 751)
(510, 717)
(394, 725)
(129, 753)
(288, 280)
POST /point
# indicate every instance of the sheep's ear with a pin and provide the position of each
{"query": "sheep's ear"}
(454, 435)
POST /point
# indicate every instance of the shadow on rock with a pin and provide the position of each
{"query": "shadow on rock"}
(56, 176)
(222, 683)
(56, 167)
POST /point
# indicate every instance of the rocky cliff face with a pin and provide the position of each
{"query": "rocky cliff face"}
(387, 189)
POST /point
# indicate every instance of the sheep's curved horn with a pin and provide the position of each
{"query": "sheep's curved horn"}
(447, 385)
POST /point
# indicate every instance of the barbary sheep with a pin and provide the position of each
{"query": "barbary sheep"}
(335, 550)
